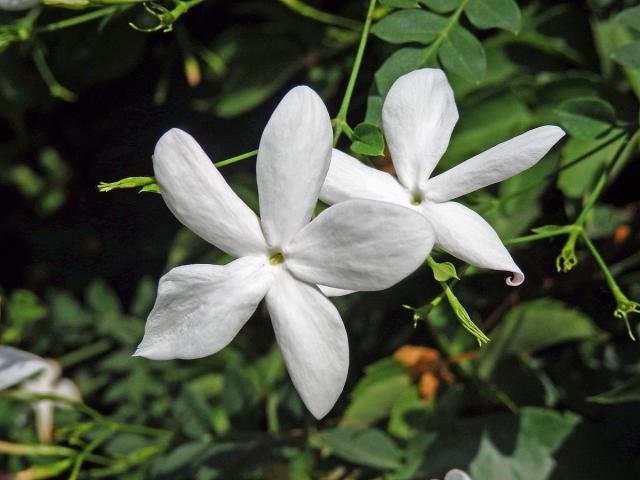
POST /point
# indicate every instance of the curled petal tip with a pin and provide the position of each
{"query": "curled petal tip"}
(516, 279)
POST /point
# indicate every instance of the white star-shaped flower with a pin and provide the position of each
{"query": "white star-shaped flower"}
(357, 245)
(49, 382)
(16, 366)
(418, 116)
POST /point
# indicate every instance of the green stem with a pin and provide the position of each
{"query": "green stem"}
(442, 34)
(600, 184)
(183, 7)
(237, 158)
(539, 236)
(273, 423)
(82, 456)
(624, 306)
(341, 118)
(55, 88)
(567, 258)
(79, 19)
(320, 16)
(611, 282)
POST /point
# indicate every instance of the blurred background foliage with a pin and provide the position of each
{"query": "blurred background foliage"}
(84, 95)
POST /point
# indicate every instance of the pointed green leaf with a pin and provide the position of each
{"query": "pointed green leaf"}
(533, 326)
(462, 53)
(630, 17)
(368, 140)
(444, 271)
(628, 55)
(629, 391)
(586, 117)
(368, 446)
(402, 61)
(441, 6)
(486, 14)
(406, 26)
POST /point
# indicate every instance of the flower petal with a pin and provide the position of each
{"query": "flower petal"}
(65, 388)
(466, 235)
(360, 245)
(496, 164)
(18, 365)
(334, 292)
(201, 199)
(201, 308)
(293, 159)
(418, 117)
(456, 474)
(349, 178)
(313, 341)
(15, 5)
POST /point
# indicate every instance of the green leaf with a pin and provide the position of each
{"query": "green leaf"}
(536, 444)
(462, 53)
(408, 26)
(443, 271)
(441, 6)
(375, 393)
(550, 229)
(630, 17)
(628, 55)
(256, 70)
(400, 3)
(367, 446)
(629, 391)
(368, 140)
(533, 326)
(151, 188)
(486, 14)
(24, 307)
(180, 459)
(586, 117)
(604, 219)
(102, 299)
(402, 61)
(129, 182)
(402, 418)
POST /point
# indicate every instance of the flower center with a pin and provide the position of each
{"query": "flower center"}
(276, 258)
(416, 198)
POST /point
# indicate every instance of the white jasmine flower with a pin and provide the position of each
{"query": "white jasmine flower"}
(48, 382)
(16, 366)
(456, 474)
(418, 116)
(360, 244)
(14, 5)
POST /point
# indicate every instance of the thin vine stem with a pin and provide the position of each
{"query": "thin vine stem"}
(323, 17)
(237, 158)
(442, 34)
(79, 19)
(341, 118)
